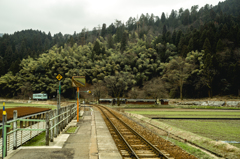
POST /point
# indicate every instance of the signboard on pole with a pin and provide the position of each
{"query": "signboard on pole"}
(78, 81)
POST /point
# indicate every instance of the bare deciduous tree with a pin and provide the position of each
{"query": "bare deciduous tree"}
(136, 92)
(99, 90)
(155, 88)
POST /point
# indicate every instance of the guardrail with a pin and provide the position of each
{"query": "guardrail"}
(20, 130)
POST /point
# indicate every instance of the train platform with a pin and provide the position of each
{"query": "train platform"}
(91, 141)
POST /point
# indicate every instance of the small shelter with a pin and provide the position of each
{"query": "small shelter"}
(105, 101)
(164, 101)
(141, 101)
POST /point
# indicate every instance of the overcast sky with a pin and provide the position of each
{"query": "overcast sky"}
(67, 16)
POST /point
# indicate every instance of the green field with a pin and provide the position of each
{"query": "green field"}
(224, 130)
(187, 114)
(130, 106)
(13, 105)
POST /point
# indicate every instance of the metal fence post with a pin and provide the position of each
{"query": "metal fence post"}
(58, 120)
(14, 128)
(67, 114)
(47, 129)
(51, 125)
(55, 122)
(61, 118)
(70, 113)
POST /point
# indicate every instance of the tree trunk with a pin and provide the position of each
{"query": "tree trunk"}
(181, 88)
(118, 102)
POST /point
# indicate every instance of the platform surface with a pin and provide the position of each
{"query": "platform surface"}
(91, 141)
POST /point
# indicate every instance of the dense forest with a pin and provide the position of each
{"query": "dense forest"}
(189, 54)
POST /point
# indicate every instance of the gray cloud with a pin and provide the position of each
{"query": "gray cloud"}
(67, 16)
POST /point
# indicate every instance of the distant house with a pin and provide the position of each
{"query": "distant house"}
(122, 100)
(164, 101)
(40, 96)
(127, 101)
(141, 101)
(105, 101)
(112, 101)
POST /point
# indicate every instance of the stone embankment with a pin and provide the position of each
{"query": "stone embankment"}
(209, 103)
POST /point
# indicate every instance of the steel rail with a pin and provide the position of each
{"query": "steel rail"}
(125, 142)
(156, 150)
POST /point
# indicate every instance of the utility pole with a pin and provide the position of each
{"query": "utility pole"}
(77, 104)
(59, 77)
(59, 97)
(3, 132)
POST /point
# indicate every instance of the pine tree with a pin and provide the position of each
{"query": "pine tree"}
(190, 45)
(180, 45)
(2, 66)
(207, 46)
(104, 31)
(49, 36)
(118, 36)
(164, 31)
(179, 35)
(124, 42)
(184, 51)
(110, 41)
(208, 73)
(163, 17)
(238, 38)
(174, 35)
(97, 48)
(224, 32)
(220, 46)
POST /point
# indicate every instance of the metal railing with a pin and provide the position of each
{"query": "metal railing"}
(52, 122)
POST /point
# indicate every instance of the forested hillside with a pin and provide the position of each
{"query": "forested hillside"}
(192, 53)
(20, 45)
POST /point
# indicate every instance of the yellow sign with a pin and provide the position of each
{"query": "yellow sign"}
(59, 77)
(4, 113)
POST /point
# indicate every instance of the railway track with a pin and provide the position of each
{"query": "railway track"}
(133, 141)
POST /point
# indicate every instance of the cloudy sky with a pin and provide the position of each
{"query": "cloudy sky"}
(67, 16)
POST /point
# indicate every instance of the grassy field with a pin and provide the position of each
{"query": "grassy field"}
(223, 130)
(13, 105)
(129, 106)
(187, 114)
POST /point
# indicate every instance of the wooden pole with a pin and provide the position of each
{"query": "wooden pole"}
(77, 104)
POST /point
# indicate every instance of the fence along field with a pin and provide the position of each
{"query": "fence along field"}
(48, 121)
